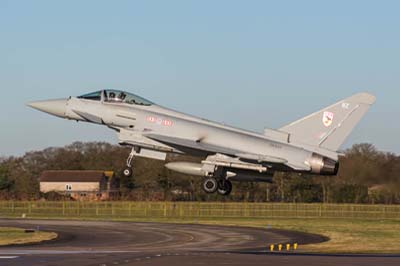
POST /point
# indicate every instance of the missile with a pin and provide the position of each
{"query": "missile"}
(249, 176)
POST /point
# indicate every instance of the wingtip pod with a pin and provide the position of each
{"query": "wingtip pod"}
(363, 97)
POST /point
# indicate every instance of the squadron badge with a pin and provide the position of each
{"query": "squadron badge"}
(327, 119)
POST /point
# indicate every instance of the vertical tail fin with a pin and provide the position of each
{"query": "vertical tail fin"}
(329, 127)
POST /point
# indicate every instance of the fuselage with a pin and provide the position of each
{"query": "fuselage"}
(308, 145)
(159, 130)
(164, 121)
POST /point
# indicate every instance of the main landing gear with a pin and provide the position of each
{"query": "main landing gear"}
(128, 170)
(222, 186)
(210, 185)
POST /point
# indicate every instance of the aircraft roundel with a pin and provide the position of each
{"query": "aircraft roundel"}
(327, 119)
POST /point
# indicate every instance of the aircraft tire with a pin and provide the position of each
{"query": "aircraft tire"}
(224, 187)
(210, 185)
(127, 172)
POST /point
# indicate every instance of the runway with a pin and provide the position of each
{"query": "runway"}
(127, 243)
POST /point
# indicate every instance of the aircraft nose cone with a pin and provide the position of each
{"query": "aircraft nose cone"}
(54, 107)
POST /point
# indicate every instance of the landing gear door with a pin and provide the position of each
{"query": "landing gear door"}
(134, 138)
(145, 153)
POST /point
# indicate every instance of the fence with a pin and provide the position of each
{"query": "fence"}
(132, 210)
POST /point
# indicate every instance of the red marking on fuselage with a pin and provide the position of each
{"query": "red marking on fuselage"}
(159, 121)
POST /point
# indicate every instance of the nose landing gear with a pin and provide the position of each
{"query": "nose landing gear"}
(128, 170)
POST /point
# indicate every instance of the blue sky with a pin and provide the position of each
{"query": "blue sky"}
(251, 64)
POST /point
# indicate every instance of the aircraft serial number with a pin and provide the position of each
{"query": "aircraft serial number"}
(159, 121)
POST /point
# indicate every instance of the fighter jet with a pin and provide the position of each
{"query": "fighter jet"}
(309, 145)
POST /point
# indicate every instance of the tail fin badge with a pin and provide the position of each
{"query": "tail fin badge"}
(327, 119)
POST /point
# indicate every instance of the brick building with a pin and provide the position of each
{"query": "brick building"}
(80, 185)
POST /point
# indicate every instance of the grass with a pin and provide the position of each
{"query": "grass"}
(17, 236)
(345, 236)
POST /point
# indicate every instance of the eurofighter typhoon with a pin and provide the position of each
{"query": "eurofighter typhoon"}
(309, 145)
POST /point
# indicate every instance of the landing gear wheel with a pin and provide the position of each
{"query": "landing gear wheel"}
(224, 187)
(127, 172)
(210, 185)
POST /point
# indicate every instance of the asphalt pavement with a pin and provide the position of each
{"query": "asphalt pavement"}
(128, 243)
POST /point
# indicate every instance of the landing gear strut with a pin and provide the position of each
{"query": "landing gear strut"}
(128, 170)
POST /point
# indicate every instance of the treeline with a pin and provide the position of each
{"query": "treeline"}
(366, 176)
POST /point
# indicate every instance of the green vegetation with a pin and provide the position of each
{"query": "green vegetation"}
(366, 176)
(346, 236)
(17, 236)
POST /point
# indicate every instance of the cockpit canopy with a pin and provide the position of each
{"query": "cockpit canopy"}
(116, 96)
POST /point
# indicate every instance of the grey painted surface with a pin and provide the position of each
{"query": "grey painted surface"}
(303, 146)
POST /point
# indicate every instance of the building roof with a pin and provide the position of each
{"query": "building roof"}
(72, 176)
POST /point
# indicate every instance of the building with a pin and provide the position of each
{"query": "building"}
(80, 185)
